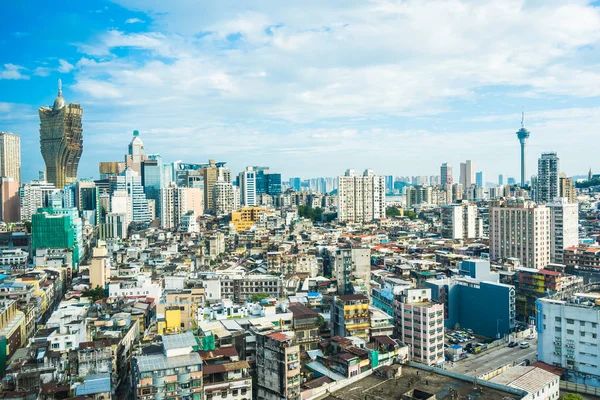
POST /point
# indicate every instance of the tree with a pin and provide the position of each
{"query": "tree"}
(258, 297)
(314, 214)
(571, 396)
(410, 214)
(392, 212)
(98, 293)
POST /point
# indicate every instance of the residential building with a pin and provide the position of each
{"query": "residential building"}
(547, 187)
(12, 327)
(418, 195)
(568, 336)
(10, 157)
(61, 140)
(247, 183)
(361, 198)
(566, 188)
(99, 269)
(350, 316)
(460, 221)
(306, 323)
(583, 257)
(223, 197)
(277, 367)
(130, 182)
(34, 195)
(224, 375)
(532, 284)
(10, 206)
(246, 217)
(173, 373)
(55, 229)
(211, 173)
(419, 323)
(352, 270)
(539, 383)
(87, 201)
(520, 229)
(564, 227)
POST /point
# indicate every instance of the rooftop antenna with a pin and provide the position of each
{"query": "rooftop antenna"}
(59, 87)
(522, 116)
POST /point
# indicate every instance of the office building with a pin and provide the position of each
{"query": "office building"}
(419, 323)
(130, 182)
(520, 229)
(460, 221)
(547, 187)
(476, 300)
(155, 176)
(564, 227)
(10, 157)
(277, 366)
(350, 316)
(361, 198)
(566, 188)
(295, 184)
(568, 336)
(480, 179)
(247, 183)
(173, 372)
(389, 184)
(61, 140)
(10, 206)
(467, 174)
(211, 174)
(500, 180)
(511, 181)
(523, 135)
(267, 182)
(135, 154)
(446, 179)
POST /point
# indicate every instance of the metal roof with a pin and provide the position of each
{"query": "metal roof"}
(156, 362)
(97, 383)
(179, 341)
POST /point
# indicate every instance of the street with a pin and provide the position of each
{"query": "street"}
(494, 358)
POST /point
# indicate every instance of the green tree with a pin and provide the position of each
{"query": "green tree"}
(314, 214)
(410, 214)
(98, 293)
(571, 396)
(392, 212)
(258, 297)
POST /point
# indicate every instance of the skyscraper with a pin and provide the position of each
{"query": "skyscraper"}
(361, 198)
(446, 175)
(523, 135)
(566, 188)
(547, 187)
(480, 179)
(10, 156)
(500, 179)
(61, 140)
(135, 154)
(564, 227)
(247, 182)
(467, 174)
(211, 174)
(131, 183)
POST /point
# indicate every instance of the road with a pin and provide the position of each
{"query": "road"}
(493, 359)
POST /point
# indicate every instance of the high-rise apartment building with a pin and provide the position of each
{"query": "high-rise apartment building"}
(446, 179)
(350, 316)
(224, 197)
(247, 184)
(61, 140)
(361, 198)
(34, 195)
(352, 269)
(520, 229)
(277, 366)
(176, 202)
(418, 195)
(419, 322)
(566, 188)
(460, 221)
(547, 187)
(9, 200)
(564, 227)
(467, 174)
(10, 156)
(211, 174)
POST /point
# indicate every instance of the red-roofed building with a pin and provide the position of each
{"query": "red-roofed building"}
(582, 257)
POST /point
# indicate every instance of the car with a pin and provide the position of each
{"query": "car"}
(513, 344)
(471, 337)
(524, 345)
(531, 336)
(470, 331)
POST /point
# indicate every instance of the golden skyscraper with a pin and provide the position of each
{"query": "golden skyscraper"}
(61, 140)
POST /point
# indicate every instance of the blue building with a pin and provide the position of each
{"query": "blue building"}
(267, 182)
(389, 184)
(295, 184)
(487, 307)
(480, 179)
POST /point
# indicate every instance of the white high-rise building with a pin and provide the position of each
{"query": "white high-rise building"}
(520, 229)
(178, 201)
(34, 195)
(361, 198)
(10, 156)
(564, 227)
(459, 221)
(467, 174)
(547, 186)
(224, 197)
(446, 179)
(247, 182)
(120, 203)
(131, 182)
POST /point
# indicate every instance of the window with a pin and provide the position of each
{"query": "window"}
(570, 331)
(557, 329)
(557, 319)
(570, 321)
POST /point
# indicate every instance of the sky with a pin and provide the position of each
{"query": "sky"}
(310, 87)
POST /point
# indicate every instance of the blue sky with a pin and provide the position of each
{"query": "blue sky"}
(310, 88)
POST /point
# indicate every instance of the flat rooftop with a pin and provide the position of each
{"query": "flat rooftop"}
(374, 387)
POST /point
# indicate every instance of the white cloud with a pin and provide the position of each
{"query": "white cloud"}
(12, 71)
(261, 75)
(65, 66)
(134, 21)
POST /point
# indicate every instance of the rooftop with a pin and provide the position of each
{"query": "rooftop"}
(157, 362)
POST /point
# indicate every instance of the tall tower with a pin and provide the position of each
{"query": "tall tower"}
(61, 140)
(523, 135)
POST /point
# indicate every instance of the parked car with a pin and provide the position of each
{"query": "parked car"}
(524, 345)
(531, 336)
(483, 346)
(513, 344)
(470, 331)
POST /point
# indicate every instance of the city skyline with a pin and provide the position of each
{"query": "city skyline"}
(266, 85)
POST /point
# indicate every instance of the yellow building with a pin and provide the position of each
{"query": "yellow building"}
(12, 327)
(178, 312)
(350, 316)
(246, 217)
